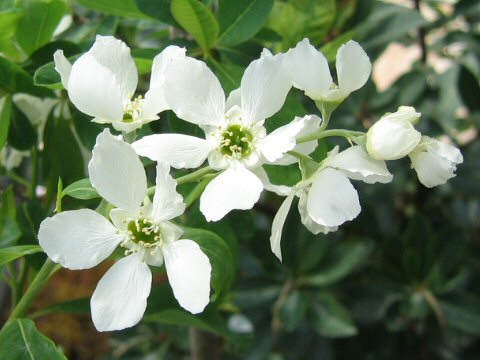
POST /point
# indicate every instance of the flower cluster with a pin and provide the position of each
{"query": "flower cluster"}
(102, 83)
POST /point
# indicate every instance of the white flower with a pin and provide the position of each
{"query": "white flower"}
(10, 158)
(327, 198)
(236, 141)
(102, 83)
(80, 239)
(309, 71)
(434, 161)
(393, 136)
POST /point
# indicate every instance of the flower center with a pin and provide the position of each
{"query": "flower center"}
(133, 109)
(144, 233)
(237, 141)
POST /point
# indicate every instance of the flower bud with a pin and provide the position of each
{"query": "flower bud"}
(393, 136)
(434, 161)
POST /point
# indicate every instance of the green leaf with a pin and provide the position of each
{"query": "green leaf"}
(241, 20)
(331, 319)
(5, 117)
(126, 8)
(293, 311)
(40, 21)
(86, 129)
(21, 340)
(81, 189)
(463, 313)
(220, 256)
(198, 20)
(297, 19)
(48, 77)
(22, 135)
(14, 252)
(469, 88)
(8, 22)
(344, 259)
(157, 9)
(13, 79)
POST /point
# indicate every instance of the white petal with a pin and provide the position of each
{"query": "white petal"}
(155, 101)
(311, 124)
(308, 69)
(120, 299)
(117, 173)
(446, 151)
(78, 239)
(194, 92)
(264, 87)
(62, 66)
(353, 67)
(234, 99)
(167, 202)
(281, 140)
(94, 90)
(235, 188)
(332, 199)
(115, 55)
(176, 150)
(188, 270)
(431, 169)
(281, 190)
(277, 225)
(119, 218)
(358, 165)
(307, 220)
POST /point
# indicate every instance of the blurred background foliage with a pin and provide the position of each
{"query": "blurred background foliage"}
(398, 282)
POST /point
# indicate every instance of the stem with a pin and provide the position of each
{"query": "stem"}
(320, 134)
(299, 156)
(37, 285)
(12, 175)
(435, 305)
(197, 191)
(326, 119)
(130, 137)
(421, 36)
(277, 306)
(33, 184)
(194, 176)
(205, 345)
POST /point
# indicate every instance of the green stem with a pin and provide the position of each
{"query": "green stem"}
(320, 134)
(37, 285)
(299, 156)
(33, 184)
(193, 176)
(198, 190)
(130, 137)
(18, 178)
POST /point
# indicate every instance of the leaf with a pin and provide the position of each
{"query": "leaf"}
(81, 189)
(21, 340)
(463, 313)
(14, 252)
(293, 311)
(331, 319)
(22, 135)
(241, 20)
(86, 129)
(48, 77)
(13, 79)
(198, 20)
(41, 18)
(5, 117)
(126, 8)
(469, 88)
(157, 9)
(344, 259)
(220, 255)
(8, 22)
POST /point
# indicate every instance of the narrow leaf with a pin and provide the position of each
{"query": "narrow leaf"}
(14, 252)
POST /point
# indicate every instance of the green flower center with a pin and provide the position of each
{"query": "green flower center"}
(237, 141)
(133, 110)
(144, 232)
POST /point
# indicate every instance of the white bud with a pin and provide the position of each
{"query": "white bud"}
(434, 161)
(393, 136)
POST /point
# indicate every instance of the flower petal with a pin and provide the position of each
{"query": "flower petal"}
(78, 239)
(358, 165)
(194, 92)
(115, 55)
(264, 87)
(117, 173)
(353, 67)
(234, 99)
(308, 69)
(167, 202)
(234, 188)
(188, 270)
(281, 140)
(307, 220)
(155, 101)
(120, 299)
(176, 150)
(311, 124)
(332, 199)
(277, 225)
(94, 90)
(62, 66)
